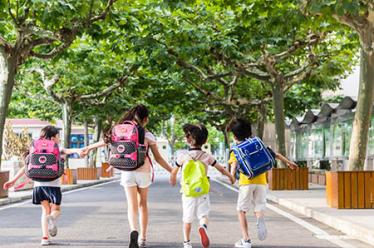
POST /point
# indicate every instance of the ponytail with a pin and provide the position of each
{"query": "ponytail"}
(138, 114)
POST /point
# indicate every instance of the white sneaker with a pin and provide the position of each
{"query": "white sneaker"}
(261, 228)
(187, 244)
(44, 242)
(243, 244)
(52, 227)
(142, 243)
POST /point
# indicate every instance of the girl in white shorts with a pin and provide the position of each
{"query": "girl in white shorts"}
(136, 182)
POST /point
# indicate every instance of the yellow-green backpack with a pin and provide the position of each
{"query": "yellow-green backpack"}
(194, 181)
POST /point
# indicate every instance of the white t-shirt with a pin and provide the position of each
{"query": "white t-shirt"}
(206, 158)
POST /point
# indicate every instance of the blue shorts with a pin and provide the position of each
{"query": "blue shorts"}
(44, 193)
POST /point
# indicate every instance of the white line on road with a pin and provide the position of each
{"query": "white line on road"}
(64, 193)
(318, 232)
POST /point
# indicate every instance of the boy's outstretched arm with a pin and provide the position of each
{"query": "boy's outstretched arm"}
(173, 175)
(233, 166)
(285, 160)
(225, 172)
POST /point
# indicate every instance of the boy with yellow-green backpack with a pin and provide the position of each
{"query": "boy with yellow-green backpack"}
(195, 183)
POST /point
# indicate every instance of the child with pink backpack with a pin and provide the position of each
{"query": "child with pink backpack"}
(44, 166)
(129, 144)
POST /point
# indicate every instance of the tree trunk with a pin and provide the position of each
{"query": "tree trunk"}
(96, 138)
(67, 116)
(261, 120)
(86, 139)
(361, 122)
(8, 70)
(278, 102)
(227, 140)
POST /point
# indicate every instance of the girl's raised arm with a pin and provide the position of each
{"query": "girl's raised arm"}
(87, 149)
(159, 159)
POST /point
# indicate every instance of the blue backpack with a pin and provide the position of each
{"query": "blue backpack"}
(254, 157)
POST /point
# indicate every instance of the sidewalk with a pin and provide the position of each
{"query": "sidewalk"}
(19, 196)
(356, 223)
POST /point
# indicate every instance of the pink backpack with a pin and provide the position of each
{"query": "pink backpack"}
(127, 149)
(43, 163)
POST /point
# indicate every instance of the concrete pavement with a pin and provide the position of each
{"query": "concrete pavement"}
(96, 217)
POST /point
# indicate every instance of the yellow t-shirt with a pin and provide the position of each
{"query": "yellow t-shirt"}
(243, 179)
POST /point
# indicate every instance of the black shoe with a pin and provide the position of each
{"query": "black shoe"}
(134, 239)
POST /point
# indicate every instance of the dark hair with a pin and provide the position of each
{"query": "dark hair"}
(137, 114)
(240, 128)
(198, 133)
(48, 132)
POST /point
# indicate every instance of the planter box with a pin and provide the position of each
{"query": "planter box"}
(104, 172)
(4, 177)
(70, 177)
(287, 179)
(350, 189)
(88, 174)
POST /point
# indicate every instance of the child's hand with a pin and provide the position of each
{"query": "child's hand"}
(8, 185)
(232, 179)
(84, 152)
(173, 179)
(292, 165)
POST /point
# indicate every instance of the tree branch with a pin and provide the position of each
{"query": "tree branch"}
(5, 44)
(48, 84)
(103, 14)
(11, 14)
(310, 40)
(204, 77)
(120, 82)
(53, 53)
(67, 36)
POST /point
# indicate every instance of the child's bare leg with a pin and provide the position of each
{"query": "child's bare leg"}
(243, 224)
(143, 206)
(204, 221)
(46, 210)
(55, 211)
(187, 231)
(132, 207)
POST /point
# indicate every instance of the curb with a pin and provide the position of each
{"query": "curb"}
(350, 229)
(12, 200)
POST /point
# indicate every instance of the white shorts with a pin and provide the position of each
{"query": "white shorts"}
(134, 178)
(199, 206)
(252, 197)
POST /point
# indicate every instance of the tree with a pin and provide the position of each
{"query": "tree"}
(31, 29)
(359, 16)
(228, 43)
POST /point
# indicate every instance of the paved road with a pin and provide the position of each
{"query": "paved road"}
(96, 217)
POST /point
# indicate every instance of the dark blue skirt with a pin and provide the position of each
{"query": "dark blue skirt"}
(45, 193)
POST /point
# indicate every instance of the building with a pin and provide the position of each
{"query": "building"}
(321, 138)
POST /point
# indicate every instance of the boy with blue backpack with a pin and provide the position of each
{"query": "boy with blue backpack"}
(251, 159)
(195, 183)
